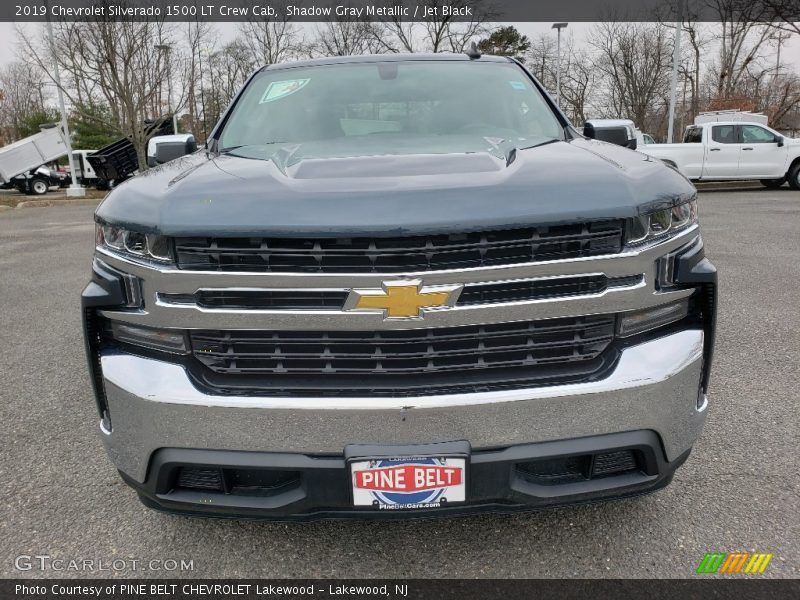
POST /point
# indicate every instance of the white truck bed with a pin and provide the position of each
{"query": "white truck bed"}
(31, 152)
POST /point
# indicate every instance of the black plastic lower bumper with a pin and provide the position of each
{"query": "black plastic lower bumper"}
(278, 486)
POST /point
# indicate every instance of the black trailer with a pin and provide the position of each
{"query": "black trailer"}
(118, 161)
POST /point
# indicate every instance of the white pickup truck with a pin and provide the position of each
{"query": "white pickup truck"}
(729, 150)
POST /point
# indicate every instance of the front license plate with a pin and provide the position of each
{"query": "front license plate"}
(408, 482)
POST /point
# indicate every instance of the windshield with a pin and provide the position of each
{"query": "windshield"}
(390, 108)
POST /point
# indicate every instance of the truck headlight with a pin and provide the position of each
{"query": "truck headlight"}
(663, 222)
(144, 245)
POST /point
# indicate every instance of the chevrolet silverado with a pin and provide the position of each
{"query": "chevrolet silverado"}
(398, 286)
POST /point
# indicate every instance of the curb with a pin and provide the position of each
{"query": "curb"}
(58, 202)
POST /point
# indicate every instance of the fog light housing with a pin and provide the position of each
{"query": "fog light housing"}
(163, 340)
(644, 320)
(197, 478)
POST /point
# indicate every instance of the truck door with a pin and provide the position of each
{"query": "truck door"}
(722, 152)
(761, 156)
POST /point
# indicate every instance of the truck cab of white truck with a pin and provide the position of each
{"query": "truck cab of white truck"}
(731, 150)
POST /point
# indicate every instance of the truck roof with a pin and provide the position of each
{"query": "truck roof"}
(376, 58)
(728, 123)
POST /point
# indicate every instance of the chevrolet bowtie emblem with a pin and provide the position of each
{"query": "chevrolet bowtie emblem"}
(403, 299)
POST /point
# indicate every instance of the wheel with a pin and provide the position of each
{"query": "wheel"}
(794, 176)
(773, 184)
(38, 187)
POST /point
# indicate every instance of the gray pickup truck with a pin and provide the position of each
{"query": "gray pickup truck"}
(397, 286)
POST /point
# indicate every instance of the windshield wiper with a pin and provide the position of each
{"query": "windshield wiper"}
(231, 148)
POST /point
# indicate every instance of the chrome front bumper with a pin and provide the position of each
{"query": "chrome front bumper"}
(154, 404)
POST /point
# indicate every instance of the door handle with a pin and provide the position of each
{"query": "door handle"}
(714, 149)
(746, 148)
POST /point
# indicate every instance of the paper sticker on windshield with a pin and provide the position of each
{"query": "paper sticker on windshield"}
(281, 89)
(518, 85)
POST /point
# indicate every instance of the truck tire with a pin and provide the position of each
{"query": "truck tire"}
(773, 184)
(38, 186)
(794, 176)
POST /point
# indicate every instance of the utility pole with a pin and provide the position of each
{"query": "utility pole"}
(75, 190)
(676, 59)
(558, 27)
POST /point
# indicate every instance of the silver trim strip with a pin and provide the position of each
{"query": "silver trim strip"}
(645, 364)
(170, 280)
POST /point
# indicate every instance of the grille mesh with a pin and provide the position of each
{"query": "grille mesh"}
(556, 342)
(399, 254)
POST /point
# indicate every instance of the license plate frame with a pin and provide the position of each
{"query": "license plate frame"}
(428, 476)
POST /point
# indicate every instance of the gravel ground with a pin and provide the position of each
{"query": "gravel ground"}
(738, 492)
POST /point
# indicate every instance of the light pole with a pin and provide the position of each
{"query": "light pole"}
(75, 189)
(673, 82)
(165, 48)
(558, 27)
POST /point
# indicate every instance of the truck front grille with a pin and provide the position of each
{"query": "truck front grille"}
(455, 351)
(399, 254)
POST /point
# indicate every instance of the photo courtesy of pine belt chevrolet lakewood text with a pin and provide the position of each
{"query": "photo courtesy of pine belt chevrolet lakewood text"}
(398, 286)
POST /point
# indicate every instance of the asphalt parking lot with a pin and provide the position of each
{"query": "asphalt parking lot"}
(739, 490)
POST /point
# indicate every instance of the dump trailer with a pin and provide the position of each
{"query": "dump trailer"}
(118, 161)
(19, 161)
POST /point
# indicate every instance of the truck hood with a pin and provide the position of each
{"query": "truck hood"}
(398, 194)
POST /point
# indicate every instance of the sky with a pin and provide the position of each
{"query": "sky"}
(790, 54)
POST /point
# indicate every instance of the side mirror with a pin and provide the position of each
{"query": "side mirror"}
(164, 148)
(780, 141)
(621, 135)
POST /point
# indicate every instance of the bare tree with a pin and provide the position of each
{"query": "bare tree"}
(782, 14)
(698, 39)
(541, 60)
(578, 74)
(225, 71)
(115, 63)
(634, 60)
(446, 33)
(271, 41)
(344, 36)
(577, 83)
(742, 39)
(21, 94)
(438, 33)
(397, 35)
(199, 36)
